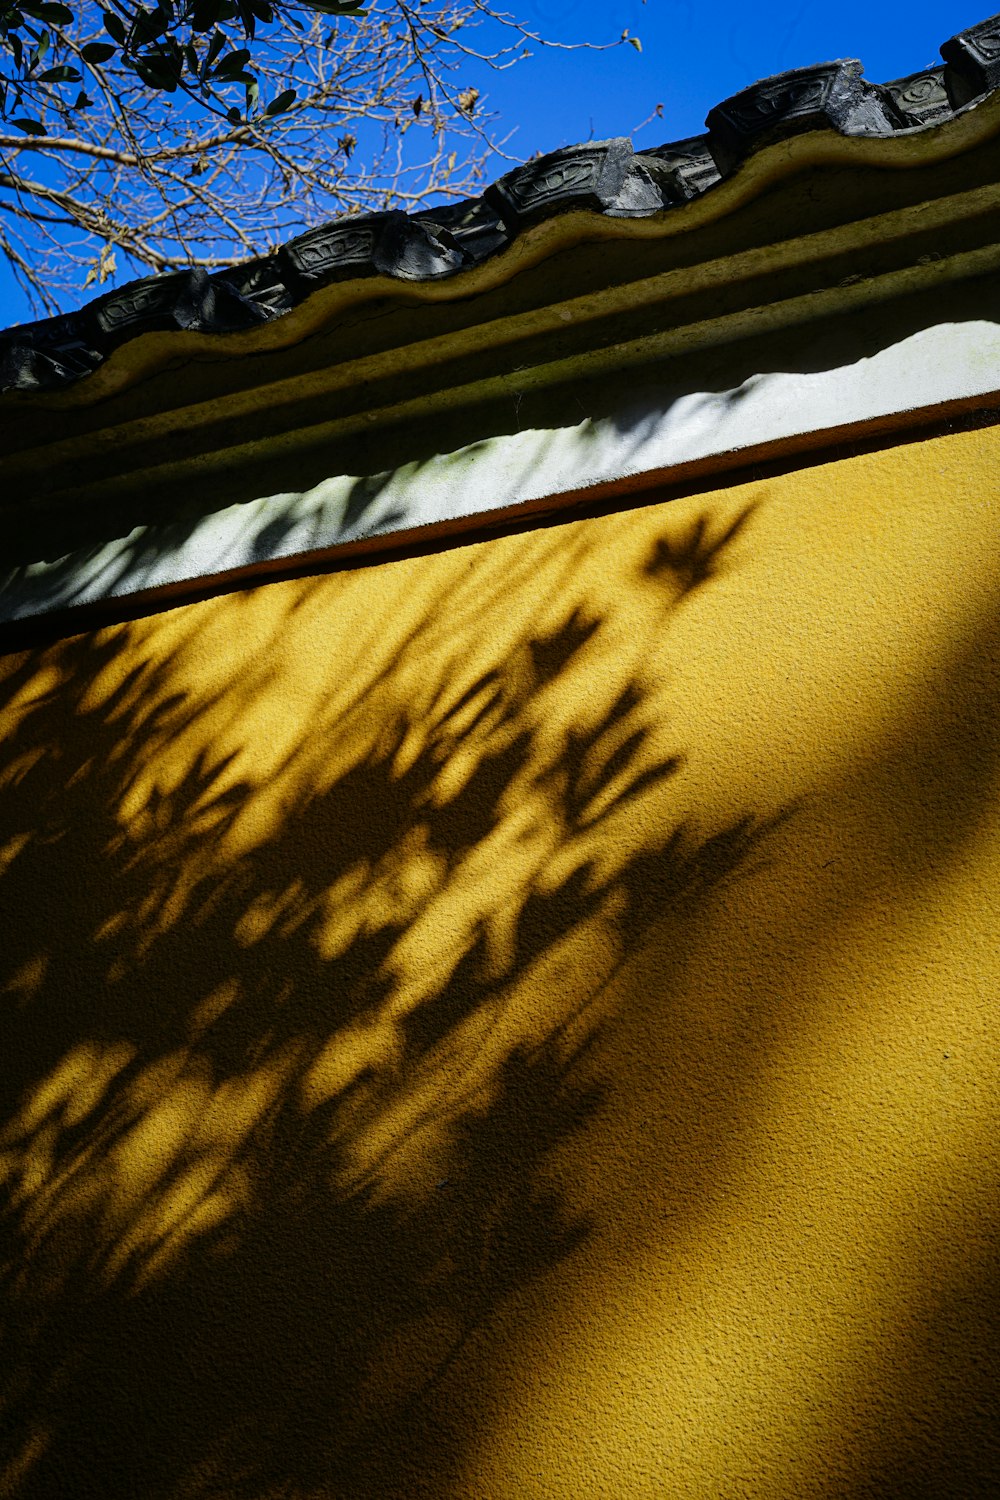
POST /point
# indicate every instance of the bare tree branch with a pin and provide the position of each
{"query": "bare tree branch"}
(386, 114)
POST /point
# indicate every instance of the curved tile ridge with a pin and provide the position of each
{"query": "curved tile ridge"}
(607, 177)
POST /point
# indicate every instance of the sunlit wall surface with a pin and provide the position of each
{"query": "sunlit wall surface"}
(521, 1021)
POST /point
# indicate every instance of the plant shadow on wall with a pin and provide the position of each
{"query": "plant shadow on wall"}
(282, 1111)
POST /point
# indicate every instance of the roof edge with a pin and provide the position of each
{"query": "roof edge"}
(827, 114)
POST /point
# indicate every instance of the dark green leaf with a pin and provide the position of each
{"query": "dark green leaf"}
(83, 101)
(248, 19)
(253, 96)
(115, 26)
(167, 52)
(97, 52)
(279, 105)
(215, 46)
(233, 116)
(62, 74)
(149, 24)
(158, 72)
(47, 10)
(205, 15)
(233, 62)
(30, 127)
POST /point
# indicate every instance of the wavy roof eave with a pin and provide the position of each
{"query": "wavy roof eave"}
(826, 115)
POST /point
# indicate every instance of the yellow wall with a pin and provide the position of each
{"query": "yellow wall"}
(520, 1022)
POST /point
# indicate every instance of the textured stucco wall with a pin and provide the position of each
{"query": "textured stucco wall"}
(519, 1022)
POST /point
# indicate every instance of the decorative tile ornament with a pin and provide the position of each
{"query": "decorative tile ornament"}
(922, 98)
(606, 177)
(973, 59)
(347, 247)
(646, 190)
(473, 224)
(690, 168)
(388, 244)
(831, 96)
(184, 299)
(422, 249)
(224, 303)
(53, 352)
(590, 176)
(257, 287)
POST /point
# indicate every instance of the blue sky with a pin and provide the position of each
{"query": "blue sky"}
(694, 55)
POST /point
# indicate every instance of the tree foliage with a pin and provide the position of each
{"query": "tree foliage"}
(198, 132)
